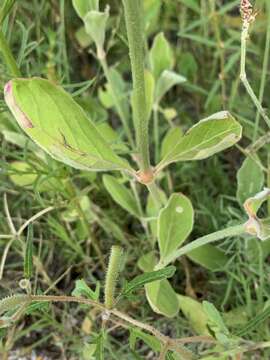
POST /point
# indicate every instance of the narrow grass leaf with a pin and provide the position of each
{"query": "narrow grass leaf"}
(28, 255)
(148, 277)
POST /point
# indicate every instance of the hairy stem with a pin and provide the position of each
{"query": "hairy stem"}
(207, 239)
(134, 24)
(112, 275)
(8, 57)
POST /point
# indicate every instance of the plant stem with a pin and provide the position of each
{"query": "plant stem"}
(154, 191)
(118, 107)
(207, 239)
(172, 343)
(264, 70)
(134, 24)
(156, 132)
(8, 57)
(243, 76)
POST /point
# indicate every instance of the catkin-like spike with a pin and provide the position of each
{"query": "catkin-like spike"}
(112, 275)
(11, 302)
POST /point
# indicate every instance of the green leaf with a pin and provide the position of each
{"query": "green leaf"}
(148, 277)
(166, 81)
(162, 298)
(250, 179)
(83, 38)
(28, 254)
(121, 195)
(148, 339)
(215, 323)
(58, 124)
(151, 14)
(173, 135)
(209, 257)
(161, 56)
(95, 23)
(82, 7)
(175, 223)
(194, 312)
(107, 96)
(149, 92)
(209, 136)
(82, 289)
(22, 174)
(147, 262)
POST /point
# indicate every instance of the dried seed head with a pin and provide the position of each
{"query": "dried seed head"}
(246, 10)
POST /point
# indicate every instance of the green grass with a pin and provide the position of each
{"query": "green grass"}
(42, 35)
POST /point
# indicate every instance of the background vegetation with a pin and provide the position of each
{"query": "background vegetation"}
(72, 240)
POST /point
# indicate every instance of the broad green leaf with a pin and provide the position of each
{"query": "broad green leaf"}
(59, 126)
(22, 174)
(209, 136)
(28, 254)
(250, 179)
(175, 223)
(121, 195)
(147, 262)
(215, 323)
(82, 289)
(149, 92)
(82, 7)
(161, 56)
(83, 38)
(112, 138)
(194, 312)
(209, 257)
(73, 213)
(188, 65)
(148, 339)
(171, 137)
(95, 23)
(162, 298)
(151, 14)
(166, 81)
(147, 278)
(88, 351)
(110, 98)
(18, 139)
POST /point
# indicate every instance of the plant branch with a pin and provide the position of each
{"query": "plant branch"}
(207, 239)
(134, 24)
(172, 343)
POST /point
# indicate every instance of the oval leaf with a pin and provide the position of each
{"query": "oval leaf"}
(194, 312)
(162, 298)
(209, 257)
(175, 223)
(121, 195)
(58, 124)
(250, 179)
(209, 136)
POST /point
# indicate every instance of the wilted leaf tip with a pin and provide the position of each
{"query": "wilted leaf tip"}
(21, 118)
